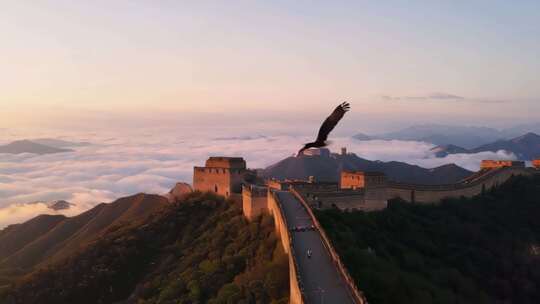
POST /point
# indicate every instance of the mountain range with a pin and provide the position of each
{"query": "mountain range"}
(525, 147)
(141, 249)
(468, 137)
(445, 150)
(27, 146)
(49, 238)
(59, 143)
(40, 146)
(329, 168)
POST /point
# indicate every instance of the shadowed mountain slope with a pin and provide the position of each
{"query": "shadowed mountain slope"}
(198, 250)
(15, 237)
(58, 143)
(26, 146)
(436, 134)
(47, 238)
(444, 150)
(329, 168)
(526, 147)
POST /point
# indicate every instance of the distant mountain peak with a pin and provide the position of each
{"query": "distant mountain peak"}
(28, 146)
(60, 205)
(444, 150)
(329, 169)
(525, 147)
(59, 143)
(527, 137)
(362, 136)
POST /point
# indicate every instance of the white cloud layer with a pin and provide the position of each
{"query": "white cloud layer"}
(117, 166)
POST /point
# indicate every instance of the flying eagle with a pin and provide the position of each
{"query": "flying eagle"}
(328, 125)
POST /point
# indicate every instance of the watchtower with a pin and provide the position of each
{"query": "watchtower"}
(222, 175)
(495, 164)
(359, 180)
(254, 200)
(373, 184)
(322, 152)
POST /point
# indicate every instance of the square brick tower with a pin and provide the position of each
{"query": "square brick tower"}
(359, 180)
(372, 184)
(222, 175)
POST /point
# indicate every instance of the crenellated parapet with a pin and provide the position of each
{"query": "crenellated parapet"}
(361, 180)
(222, 175)
(495, 164)
(477, 184)
(225, 162)
(254, 200)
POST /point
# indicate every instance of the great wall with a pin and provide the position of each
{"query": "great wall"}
(321, 276)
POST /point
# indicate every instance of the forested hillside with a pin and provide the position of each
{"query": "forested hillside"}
(46, 239)
(480, 250)
(200, 250)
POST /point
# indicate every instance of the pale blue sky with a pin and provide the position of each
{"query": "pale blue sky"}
(450, 61)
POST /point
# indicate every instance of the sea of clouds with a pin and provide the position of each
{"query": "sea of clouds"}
(116, 165)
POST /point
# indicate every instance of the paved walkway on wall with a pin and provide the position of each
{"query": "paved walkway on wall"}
(321, 279)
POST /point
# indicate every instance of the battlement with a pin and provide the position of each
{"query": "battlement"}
(225, 162)
(345, 199)
(219, 170)
(253, 190)
(254, 200)
(222, 175)
(360, 179)
(494, 164)
(322, 152)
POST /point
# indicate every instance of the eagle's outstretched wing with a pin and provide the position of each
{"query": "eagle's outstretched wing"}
(330, 123)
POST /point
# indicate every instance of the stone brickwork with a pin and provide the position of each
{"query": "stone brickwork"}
(254, 201)
(345, 199)
(371, 191)
(221, 175)
(360, 180)
(226, 162)
(494, 164)
(322, 152)
(469, 188)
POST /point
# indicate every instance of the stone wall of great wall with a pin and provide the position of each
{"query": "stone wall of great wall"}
(356, 294)
(481, 182)
(280, 222)
(360, 191)
(254, 201)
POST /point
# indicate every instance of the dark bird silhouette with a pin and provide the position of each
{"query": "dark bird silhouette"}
(328, 125)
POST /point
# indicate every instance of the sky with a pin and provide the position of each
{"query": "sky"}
(79, 64)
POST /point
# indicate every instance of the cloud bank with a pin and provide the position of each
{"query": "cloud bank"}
(438, 96)
(120, 165)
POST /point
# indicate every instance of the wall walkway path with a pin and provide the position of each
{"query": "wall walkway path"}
(320, 278)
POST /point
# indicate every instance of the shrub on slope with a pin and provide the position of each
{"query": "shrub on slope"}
(480, 250)
(200, 250)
